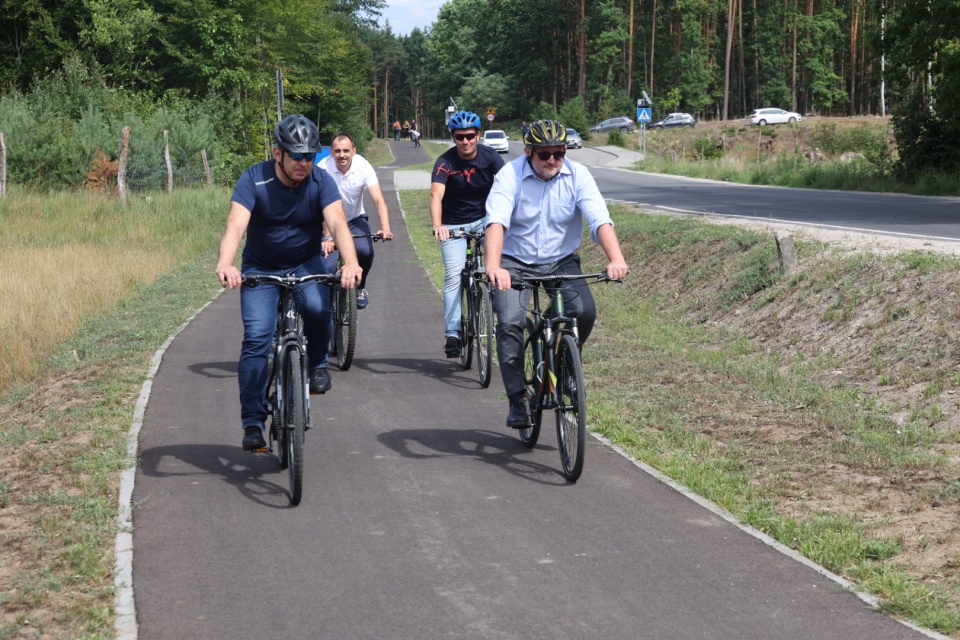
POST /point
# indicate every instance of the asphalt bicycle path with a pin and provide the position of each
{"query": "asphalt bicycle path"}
(424, 517)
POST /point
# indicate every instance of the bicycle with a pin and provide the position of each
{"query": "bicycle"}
(287, 398)
(476, 308)
(553, 371)
(344, 305)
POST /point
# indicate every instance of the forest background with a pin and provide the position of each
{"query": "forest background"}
(74, 72)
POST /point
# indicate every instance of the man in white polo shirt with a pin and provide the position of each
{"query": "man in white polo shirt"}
(352, 173)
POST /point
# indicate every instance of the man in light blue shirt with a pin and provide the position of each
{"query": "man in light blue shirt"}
(536, 212)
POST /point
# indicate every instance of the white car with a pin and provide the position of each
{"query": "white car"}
(496, 139)
(764, 117)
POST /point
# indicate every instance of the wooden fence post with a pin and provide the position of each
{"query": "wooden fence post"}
(206, 167)
(787, 252)
(166, 158)
(122, 166)
(3, 166)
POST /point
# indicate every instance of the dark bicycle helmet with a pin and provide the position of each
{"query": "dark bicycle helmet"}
(545, 133)
(297, 134)
(464, 120)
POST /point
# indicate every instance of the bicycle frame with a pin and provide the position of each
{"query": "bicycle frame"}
(549, 323)
(289, 337)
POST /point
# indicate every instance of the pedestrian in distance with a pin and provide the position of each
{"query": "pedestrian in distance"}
(353, 173)
(536, 212)
(282, 206)
(460, 183)
(396, 130)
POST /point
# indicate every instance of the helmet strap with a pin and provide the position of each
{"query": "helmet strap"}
(294, 183)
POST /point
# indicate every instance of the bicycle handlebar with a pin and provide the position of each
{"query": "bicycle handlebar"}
(253, 279)
(463, 233)
(376, 237)
(520, 283)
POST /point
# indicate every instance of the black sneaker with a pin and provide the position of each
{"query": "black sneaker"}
(320, 381)
(518, 418)
(253, 439)
(452, 347)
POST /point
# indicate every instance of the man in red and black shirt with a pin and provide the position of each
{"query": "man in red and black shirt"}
(461, 181)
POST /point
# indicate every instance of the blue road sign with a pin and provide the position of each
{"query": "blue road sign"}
(643, 114)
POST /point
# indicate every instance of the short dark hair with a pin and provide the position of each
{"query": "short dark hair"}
(343, 134)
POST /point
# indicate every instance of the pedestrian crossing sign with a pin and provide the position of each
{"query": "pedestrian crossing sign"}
(643, 114)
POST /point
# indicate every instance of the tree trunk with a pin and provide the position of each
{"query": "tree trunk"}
(856, 7)
(653, 41)
(582, 50)
(630, 54)
(731, 14)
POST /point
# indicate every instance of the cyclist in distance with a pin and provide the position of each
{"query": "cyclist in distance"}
(534, 226)
(282, 205)
(460, 183)
(352, 173)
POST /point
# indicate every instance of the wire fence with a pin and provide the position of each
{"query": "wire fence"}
(141, 165)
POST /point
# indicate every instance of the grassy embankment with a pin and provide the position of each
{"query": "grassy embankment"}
(710, 372)
(855, 154)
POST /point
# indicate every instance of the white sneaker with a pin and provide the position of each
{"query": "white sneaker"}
(362, 300)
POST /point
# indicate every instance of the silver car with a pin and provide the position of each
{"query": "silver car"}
(613, 124)
(573, 139)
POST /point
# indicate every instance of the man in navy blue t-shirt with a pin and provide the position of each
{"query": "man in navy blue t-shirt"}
(282, 205)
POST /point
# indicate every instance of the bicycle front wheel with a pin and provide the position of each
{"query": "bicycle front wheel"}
(532, 369)
(294, 421)
(571, 408)
(483, 335)
(466, 324)
(345, 327)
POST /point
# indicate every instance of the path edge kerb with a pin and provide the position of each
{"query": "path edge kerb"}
(125, 609)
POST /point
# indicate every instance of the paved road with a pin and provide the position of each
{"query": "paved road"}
(424, 517)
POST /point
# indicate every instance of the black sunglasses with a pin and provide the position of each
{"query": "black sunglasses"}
(297, 157)
(460, 137)
(545, 155)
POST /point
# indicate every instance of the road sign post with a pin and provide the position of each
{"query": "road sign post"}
(644, 108)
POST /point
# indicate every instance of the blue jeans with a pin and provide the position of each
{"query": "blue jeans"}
(258, 307)
(359, 226)
(454, 252)
(511, 307)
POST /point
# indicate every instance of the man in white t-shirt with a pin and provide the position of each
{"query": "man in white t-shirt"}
(353, 173)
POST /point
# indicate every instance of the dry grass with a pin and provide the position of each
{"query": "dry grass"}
(48, 293)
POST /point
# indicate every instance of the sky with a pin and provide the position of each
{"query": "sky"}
(406, 15)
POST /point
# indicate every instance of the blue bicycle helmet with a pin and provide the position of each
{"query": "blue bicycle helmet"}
(464, 120)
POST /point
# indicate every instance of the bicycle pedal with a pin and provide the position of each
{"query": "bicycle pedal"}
(261, 450)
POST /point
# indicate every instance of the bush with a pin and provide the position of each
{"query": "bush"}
(708, 149)
(616, 138)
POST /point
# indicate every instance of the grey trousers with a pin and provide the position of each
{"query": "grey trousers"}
(511, 307)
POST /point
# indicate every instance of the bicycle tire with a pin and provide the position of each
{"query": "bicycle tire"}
(483, 331)
(466, 324)
(294, 421)
(571, 409)
(345, 327)
(531, 365)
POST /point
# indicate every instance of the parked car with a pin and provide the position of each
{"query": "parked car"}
(497, 139)
(573, 139)
(675, 120)
(764, 117)
(613, 124)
